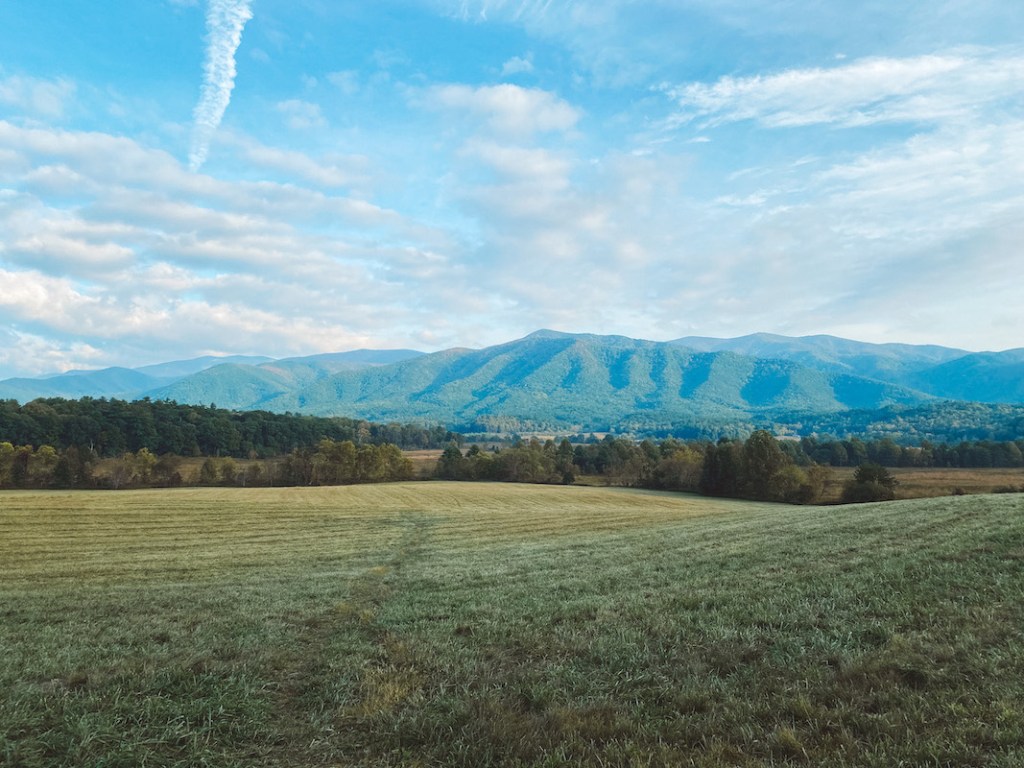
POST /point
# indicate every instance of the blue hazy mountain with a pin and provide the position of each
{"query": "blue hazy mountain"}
(257, 386)
(893, 363)
(944, 372)
(573, 380)
(588, 381)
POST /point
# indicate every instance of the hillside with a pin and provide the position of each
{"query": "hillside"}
(247, 387)
(126, 383)
(943, 372)
(694, 386)
(987, 377)
(592, 382)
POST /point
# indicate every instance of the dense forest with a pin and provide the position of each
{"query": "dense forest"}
(109, 428)
(941, 422)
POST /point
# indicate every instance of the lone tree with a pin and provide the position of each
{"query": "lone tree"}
(871, 482)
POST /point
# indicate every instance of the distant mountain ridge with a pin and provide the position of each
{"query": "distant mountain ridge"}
(895, 363)
(173, 380)
(587, 381)
(943, 372)
(582, 381)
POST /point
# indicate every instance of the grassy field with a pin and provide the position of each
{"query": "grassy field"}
(929, 482)
(431, 624)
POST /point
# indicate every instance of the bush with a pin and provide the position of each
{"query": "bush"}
(856, 493)
(875, 473)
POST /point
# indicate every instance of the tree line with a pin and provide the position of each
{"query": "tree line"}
(756, 468)
(58, 443)
(854, 451)
(329, 462)
(760, 467)
(111, 428)
(886, 452)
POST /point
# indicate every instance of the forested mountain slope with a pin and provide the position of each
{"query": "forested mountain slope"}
(700, 385)
(587, 381)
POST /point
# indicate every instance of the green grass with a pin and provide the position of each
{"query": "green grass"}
(464, 624)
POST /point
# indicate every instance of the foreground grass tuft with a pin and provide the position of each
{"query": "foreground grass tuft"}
(475, 625)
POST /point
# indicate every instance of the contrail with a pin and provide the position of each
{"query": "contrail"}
(224, 22)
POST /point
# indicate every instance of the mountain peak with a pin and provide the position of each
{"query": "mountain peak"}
(547, 333)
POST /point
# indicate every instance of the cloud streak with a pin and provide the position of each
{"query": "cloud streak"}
(225, 20)
(935, 88)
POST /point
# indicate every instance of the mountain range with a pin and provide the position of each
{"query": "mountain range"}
(580, 381)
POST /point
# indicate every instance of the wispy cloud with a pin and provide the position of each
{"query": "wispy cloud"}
(46, 98)
(509, 110)
(225, 20)
(301, 115)
(862, 92)
(107, 239)
(482, 9)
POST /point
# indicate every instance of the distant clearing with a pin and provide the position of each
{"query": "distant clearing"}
(928, 482)
(428, 624)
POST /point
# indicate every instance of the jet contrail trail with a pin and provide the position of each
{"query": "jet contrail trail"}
(224, 22)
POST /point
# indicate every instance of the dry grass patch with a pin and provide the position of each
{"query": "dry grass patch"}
(931, 482)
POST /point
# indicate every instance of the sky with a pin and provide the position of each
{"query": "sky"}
(290, 177)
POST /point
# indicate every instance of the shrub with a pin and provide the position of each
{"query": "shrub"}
(856, 493)
(875, 473)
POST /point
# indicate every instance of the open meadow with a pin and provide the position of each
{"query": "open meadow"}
(430, 624)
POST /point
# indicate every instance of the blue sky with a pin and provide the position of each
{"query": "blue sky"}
(186, 177)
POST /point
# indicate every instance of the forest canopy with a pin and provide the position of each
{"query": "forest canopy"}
(113, 427)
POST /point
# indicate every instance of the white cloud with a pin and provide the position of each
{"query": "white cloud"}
(35, 355)
(515, 9)
(615, 42)
(105, 239)
(37, 97)
(50, 301)
(959, 180)
(863, 92)
(301, 115)
(225, 20)
(325, 172)
(522, 163)
(509, 110)
(517, 65)
(102, 162)
(521, 218)
(68, 254)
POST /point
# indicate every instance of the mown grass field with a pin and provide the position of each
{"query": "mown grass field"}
(430, 624)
